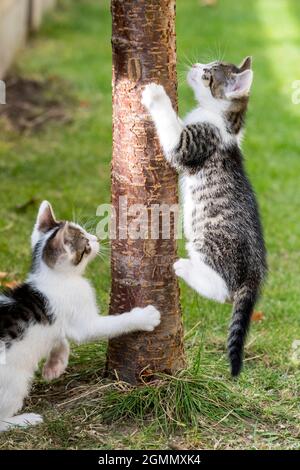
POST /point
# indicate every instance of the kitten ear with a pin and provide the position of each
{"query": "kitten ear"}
(246, 64)
(46, 218)
(45, 221)
(240, 85)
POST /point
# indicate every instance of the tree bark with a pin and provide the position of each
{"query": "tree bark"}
(144, 51)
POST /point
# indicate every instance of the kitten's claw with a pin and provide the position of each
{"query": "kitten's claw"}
(182, 268)
(152, 94)
(146, 318)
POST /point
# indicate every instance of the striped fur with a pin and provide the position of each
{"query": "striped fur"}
(243, 304)
(226, 230)
(20, 308)
(227, 258)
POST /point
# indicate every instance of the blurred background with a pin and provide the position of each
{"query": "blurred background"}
(17, 20)
(55, 144)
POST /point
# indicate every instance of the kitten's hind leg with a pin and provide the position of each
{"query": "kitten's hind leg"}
(22, 421)
(202, 278)
(57, 361)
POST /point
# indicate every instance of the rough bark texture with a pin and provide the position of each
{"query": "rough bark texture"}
(144, 50)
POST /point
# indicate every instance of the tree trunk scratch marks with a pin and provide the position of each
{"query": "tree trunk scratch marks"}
(144, 50)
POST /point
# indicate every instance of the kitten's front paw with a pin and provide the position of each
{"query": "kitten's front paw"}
(182, 268)
(146, 319)
(152, 94)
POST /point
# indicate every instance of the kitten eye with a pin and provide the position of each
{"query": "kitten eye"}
(81, 256)
(86, 251)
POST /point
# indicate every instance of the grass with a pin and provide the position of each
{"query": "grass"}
(69, 165)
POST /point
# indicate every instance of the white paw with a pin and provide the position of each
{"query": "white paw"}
(53, 371)
(152, 94)
(26, 419)
(183, 268)
(147, 318)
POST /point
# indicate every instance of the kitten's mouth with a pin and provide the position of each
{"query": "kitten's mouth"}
(197, 73)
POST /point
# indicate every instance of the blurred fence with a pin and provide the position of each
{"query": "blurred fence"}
(17, 19)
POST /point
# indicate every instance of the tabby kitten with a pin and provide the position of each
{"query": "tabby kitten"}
(227, 258)
(55, 304)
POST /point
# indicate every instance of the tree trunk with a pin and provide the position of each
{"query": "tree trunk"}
(144, 50)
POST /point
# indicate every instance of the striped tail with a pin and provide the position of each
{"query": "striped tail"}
(243, 306)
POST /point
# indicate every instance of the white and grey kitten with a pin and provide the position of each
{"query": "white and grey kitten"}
(55, 304)
(227, 259)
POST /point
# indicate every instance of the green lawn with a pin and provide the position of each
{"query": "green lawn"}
(70, 166)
